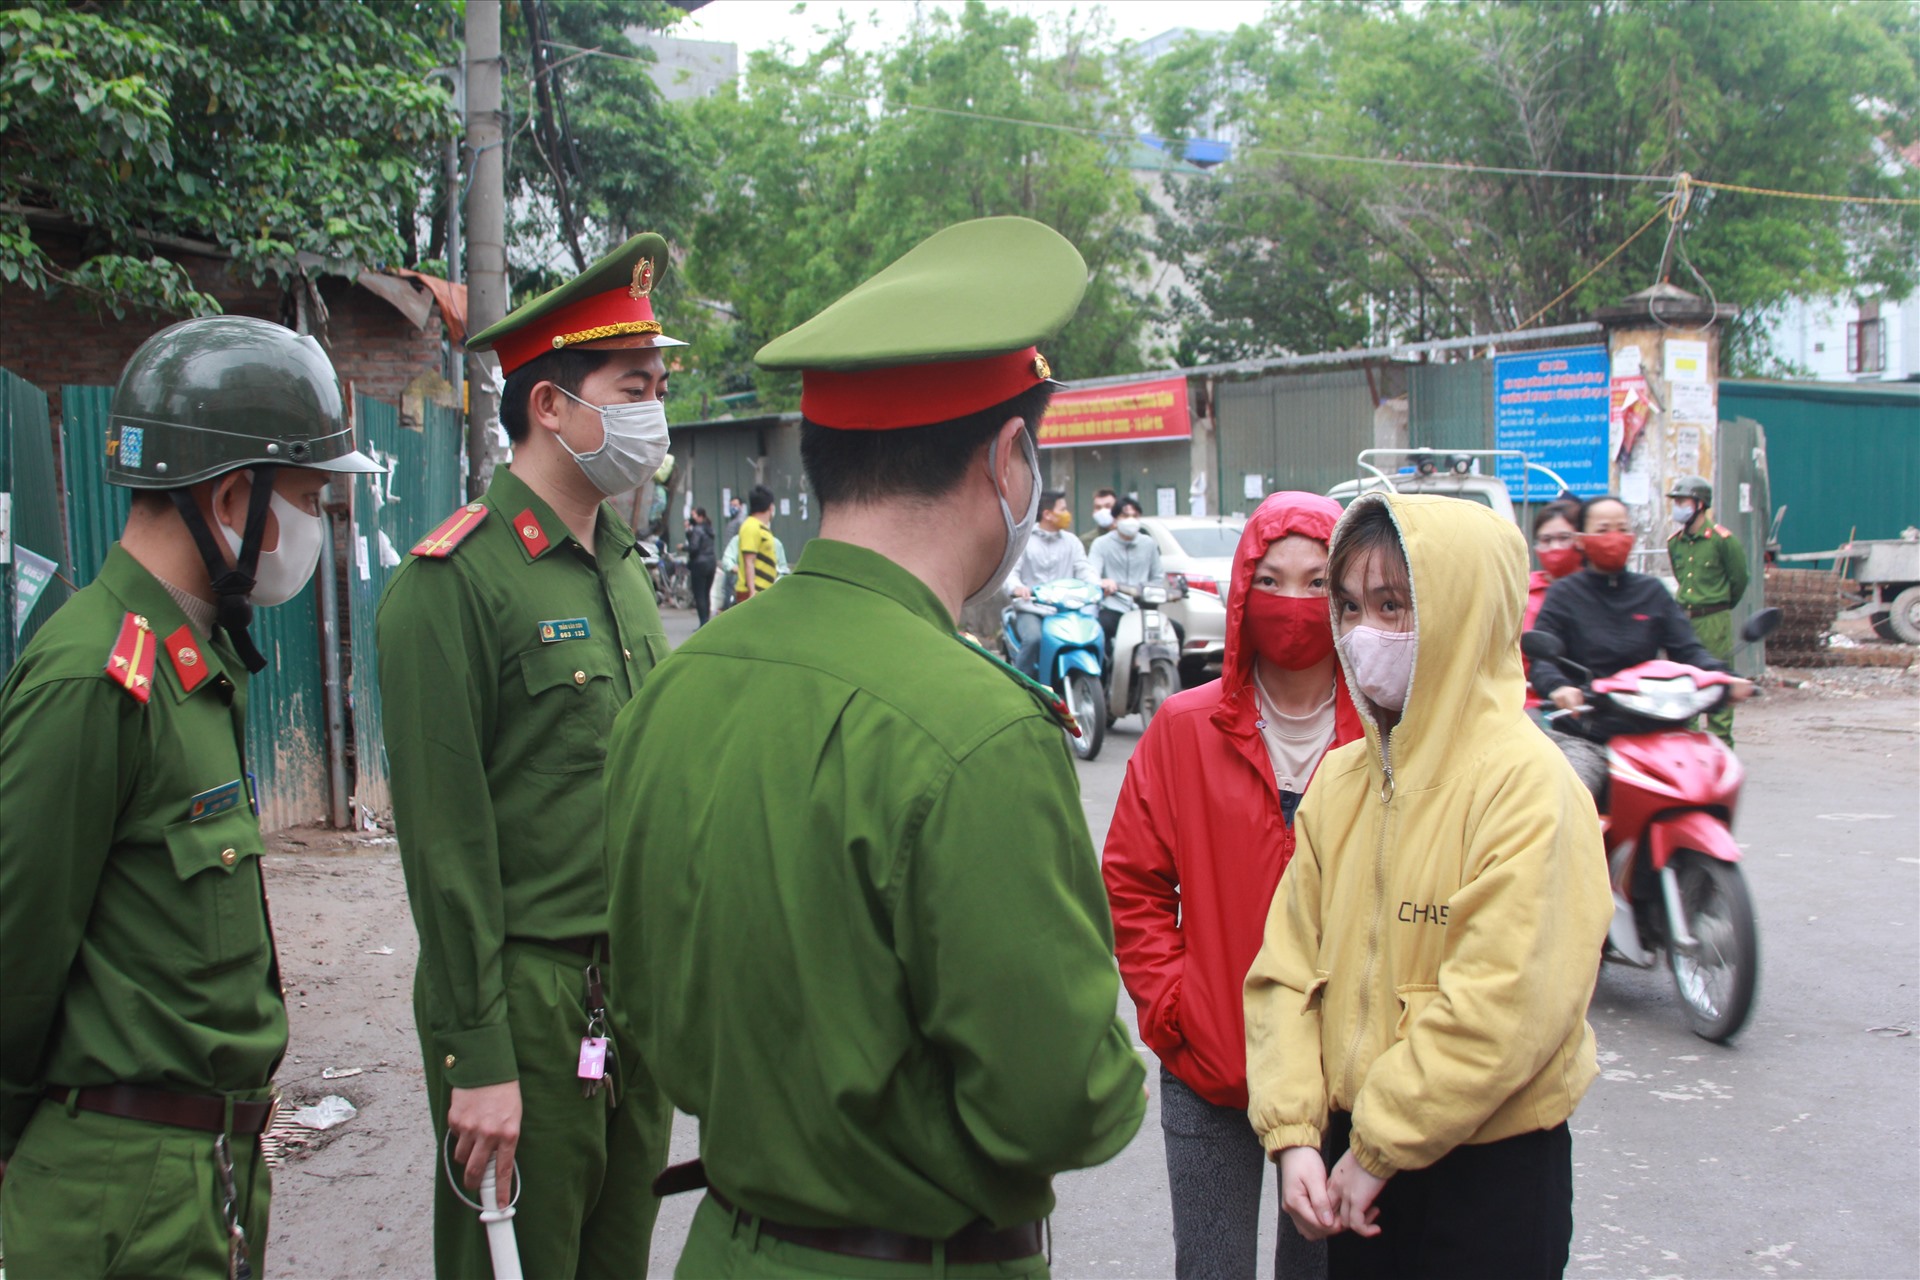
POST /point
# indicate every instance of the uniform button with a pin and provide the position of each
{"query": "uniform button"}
(140, 621)
(449, 1059)
(627, 654)
(579, 677)
(229, 857)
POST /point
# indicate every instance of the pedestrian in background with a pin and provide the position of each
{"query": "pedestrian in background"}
(870, 948)
(1416, 1017)
(701, 561)
(507, 642)
(1104, 501)
(758, 564)
(141, 1012)
(1203, 830)
(1556, 529)
(1710, 576)
(736, 516)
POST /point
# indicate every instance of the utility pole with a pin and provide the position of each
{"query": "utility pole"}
(486, 256)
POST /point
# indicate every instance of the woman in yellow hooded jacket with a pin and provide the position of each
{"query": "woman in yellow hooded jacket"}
(1416, 1017)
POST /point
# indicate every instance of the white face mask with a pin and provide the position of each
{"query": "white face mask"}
(634, 448)
(1104, 517)
(1018, 531)
(1683, 513)
(283, 571)
(1382, 664)
(1129, 528)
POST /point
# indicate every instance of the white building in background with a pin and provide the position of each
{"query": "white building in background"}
(1840, 340)
(685, 69)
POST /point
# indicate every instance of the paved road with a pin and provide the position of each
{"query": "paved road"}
(1792, 1153)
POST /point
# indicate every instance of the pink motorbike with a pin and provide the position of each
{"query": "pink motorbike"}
(1667, 822)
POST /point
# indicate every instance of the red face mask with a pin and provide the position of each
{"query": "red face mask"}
(1560, 561)
(1607, 552)
(1291, 632)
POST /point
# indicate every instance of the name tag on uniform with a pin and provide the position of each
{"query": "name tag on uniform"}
(563, 629)
(218, 800)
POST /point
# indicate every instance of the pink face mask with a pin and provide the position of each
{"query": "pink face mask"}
(1382, 663)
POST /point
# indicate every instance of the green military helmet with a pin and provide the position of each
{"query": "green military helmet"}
(1695, 488)
(209, 396)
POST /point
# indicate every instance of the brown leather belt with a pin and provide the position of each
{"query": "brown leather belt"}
(976, 1242)
(1706, 610)
(206, 1112)
(580, 946)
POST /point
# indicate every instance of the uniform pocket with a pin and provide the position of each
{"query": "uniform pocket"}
(217, 861)
(570, 691)
(1414, 997)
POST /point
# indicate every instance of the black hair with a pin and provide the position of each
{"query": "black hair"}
(702, 513)
(910, 462)
(1105, 493)
(1368, 528)
(1124, 505)
(1567, 509)
(759, 499)
(1591, 503)
(1051, 498)
(566, 369)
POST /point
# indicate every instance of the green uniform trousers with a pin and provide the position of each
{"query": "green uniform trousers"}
(586, 1204)
(92, 1195)
(721, 1245)
(1716, 633)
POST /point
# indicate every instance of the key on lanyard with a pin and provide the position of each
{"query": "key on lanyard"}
(593, 1046)
(239, 1265)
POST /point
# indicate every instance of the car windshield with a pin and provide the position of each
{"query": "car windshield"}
(1207, 541)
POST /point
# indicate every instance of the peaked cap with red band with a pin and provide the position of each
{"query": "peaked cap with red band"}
(949, 329)
(607, 307)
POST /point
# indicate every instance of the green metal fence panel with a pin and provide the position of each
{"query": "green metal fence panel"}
(1740, 504)
(32, 518)
(1298, 431)
(1450, 406)
(1140, 469)
(1842, 457)
(390, 513)
(286, 702)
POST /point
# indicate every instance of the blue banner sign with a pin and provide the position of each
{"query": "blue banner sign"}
(1553, 406)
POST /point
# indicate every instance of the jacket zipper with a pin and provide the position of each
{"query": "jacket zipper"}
(1373, 929)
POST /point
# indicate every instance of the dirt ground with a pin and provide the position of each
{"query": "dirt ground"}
(353, 1201)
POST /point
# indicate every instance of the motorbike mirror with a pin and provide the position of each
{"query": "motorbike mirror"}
(1540, 644)
(1761, 625)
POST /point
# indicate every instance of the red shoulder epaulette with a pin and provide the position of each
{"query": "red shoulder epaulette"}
(1723, 531)
(440, 544)
(131, 663)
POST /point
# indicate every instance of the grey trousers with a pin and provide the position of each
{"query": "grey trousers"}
(1588, 758)
(1215, 1168)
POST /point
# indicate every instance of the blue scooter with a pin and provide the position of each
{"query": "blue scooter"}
(1068, 658)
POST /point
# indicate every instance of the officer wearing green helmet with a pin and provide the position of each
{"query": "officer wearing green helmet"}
(1710, 575)
(143, 1017)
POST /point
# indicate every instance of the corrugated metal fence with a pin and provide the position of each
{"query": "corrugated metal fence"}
(1295, 432)
(390, 514)
(33, 511)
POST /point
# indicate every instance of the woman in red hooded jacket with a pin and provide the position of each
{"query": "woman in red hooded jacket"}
(1202, 832)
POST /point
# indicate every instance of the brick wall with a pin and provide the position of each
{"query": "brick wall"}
(61, 339)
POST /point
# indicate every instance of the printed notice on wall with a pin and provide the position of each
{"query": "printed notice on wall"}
(1692, 402)
(33, 572)
(1626, 362)
(1686, 448)
(1553, 406)
(1686, 359)
(1165, 502)
(362, 559)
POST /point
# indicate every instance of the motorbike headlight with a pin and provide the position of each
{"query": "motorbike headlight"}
(1153, 595)
(1672, 700)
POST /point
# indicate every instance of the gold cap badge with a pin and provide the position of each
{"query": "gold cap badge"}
(1041, 369)
(642, 279)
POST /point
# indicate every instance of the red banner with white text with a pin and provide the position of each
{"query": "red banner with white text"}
(1155, 410)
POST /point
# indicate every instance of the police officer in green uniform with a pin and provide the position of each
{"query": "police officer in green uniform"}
(141, 1017)
(1710, 570)
(507, 642)
(855, 907)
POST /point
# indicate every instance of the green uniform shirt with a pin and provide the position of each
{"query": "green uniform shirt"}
(501, 668)
(1709, 567)
(858, 916)
(136, 943)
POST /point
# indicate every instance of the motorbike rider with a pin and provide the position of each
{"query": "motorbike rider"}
(1052, 553)
(1710, 567)
(1609, 618)
(1202, 832)
(1123, 557)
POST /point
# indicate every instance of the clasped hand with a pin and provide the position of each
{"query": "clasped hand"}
(1323, 1206)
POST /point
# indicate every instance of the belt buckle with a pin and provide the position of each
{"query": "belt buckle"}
(273, 1111)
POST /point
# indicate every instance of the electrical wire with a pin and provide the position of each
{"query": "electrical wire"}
(1620, 249)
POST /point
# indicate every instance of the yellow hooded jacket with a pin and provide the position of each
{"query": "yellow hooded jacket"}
(1429, 956)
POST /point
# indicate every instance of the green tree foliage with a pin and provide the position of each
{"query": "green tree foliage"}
(828, 168)
(1289, 252)
(270, 128)
(596, 154)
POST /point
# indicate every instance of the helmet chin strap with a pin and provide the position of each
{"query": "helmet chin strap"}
(233, 583)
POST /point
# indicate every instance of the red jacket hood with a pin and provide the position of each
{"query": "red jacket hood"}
(1310, 515)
